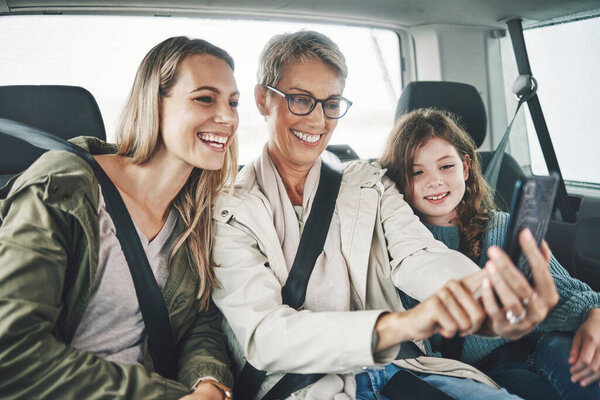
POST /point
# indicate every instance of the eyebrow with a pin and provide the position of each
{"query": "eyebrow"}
(439, 159)
(212, 89)
(310, 93)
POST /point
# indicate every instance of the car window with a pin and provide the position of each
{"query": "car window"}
(564, 59)
(101, 54)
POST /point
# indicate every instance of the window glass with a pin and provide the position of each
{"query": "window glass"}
(102, 53)
(564, 59)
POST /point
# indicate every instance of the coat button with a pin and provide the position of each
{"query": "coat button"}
(224, 213)
(377, 172)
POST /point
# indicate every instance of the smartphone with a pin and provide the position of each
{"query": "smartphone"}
(531, 207)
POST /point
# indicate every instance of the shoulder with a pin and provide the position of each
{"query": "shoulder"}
(244, 195)
(59, 176)
(362, 173)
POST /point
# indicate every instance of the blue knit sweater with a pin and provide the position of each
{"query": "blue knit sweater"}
(576, 297)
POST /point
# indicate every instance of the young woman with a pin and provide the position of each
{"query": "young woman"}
(71, 324)
(373, 236)
(433, 161)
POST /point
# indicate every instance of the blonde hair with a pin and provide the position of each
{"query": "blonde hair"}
(137, 137)
(302, 46)
(414, 130)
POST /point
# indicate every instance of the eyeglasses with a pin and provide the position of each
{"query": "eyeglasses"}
(303, 104)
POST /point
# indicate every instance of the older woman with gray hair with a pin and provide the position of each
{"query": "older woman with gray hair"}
(350, 315)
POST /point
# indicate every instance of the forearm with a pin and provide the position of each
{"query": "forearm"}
(203, 350)
(576, 300)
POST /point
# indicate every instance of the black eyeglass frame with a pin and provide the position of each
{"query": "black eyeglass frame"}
(287, 97)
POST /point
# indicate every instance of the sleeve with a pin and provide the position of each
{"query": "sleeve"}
(203, 351)
(420, 263)
(35, 241)
(576, 299)
(275, 337)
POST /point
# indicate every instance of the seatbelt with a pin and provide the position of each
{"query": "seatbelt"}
(293, 292)
(524, 88)
(515, 29)
(152, 305)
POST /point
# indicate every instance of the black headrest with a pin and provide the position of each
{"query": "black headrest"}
(65, 111)
(461, 99)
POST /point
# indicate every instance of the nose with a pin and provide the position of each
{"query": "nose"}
(225, 114)
(435, 179)
(317, 116)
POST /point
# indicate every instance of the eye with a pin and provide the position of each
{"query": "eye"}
(333, 105)
(204, 99)
(448, 166)
(416, 173)
(234, 103)
(301, 100)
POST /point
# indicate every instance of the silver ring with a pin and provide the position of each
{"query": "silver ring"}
(514, 319)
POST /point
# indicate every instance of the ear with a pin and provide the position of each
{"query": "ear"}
(260, 96)
(466, 165)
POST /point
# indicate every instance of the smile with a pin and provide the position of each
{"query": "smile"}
(306, 137)
(437, 197)
(216, 141)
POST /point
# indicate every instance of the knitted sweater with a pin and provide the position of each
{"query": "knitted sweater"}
(576, 297)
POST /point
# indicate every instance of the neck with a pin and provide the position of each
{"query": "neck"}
(293, 177)
(155, 183)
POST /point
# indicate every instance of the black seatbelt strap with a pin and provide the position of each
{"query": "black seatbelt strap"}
(515, 28)
(493, 169)
(293, 292)
(152, 304)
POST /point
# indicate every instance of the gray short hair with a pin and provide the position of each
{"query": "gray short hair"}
(302, 46)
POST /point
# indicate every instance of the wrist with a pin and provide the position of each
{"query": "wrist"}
(223, 389)
(594, 313)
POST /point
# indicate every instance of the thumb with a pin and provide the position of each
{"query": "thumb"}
(575, 348)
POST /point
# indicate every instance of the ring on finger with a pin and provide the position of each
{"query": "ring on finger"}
(515, 319)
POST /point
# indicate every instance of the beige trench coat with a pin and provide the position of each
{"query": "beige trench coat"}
(386, 247)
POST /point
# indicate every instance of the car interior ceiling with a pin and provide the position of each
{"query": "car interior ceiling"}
(574, 244)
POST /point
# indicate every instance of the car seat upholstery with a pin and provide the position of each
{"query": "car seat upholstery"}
(65, 111)
(464, 101)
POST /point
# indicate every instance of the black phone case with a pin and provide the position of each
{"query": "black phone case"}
(531, 207)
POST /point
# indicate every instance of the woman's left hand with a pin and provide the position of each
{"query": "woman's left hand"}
(585, 352)
(522, 308)
(206, 391)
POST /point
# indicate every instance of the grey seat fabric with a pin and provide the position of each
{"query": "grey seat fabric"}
(464, 101)
(65, 111)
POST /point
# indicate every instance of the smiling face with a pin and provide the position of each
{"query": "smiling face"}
(199, 117)
(294, 140)
(438, 181)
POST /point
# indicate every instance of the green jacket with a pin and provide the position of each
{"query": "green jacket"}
(48, 258)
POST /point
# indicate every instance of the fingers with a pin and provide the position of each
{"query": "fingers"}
(583, 374)
(466, 305)
(509, 287)
(538, 261)
(546, 253)
(575, 348)
(590, 379)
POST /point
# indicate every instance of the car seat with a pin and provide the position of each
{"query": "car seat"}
(65, 111)
(464, 101)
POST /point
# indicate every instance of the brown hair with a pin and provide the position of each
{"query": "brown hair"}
(137, 137)
(411, 132)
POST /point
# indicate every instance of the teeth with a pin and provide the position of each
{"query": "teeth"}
(216, 141)
(306, 137)
(436, 197)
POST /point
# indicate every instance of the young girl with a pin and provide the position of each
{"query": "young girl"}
(71, 325)
(434, 163)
